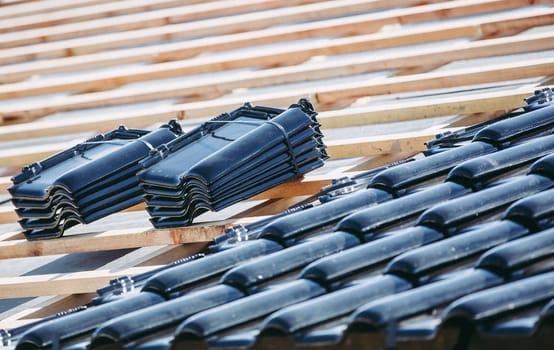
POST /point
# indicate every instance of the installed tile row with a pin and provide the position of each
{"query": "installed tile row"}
(180, 174)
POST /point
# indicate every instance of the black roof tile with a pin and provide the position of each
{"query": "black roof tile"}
(504, 298)
(151, 319)
(544, 166)
(254, 306)
(253, 272)
(511, 129)
(332, 305)
(510, 256)
(447, 216)
(476, 171)
(392, 308)
(178, 277)
(297, 223)
(411, 173)
(532, 211)
(53, 332)
(86, 182)
(366, 220)
(339, 265)
(423, 260)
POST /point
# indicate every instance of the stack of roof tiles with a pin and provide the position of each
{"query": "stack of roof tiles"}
(86, 182)
(452, 250)
(230, 158)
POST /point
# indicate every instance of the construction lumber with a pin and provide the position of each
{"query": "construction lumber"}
(493, 25)
(426, 57)
(364, 23)
(328, 94)
(64, 24)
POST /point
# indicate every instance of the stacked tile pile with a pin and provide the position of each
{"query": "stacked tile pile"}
(230, 158)
(86, 182)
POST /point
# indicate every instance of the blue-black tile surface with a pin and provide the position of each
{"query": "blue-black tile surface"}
(449, 250)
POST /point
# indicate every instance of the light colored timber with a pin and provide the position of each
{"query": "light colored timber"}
(62, 283)
(365, 23)
(5, 183)
(144, 19)
(426, 108)
(46, 14)
(45, 306)
(495, 24)
(116, 239)
(34, 7)
(203, 109)
(410, 142)
(7, 214)
(437, 80)
(430, 56)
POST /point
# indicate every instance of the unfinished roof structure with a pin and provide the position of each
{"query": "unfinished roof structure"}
(429, 226)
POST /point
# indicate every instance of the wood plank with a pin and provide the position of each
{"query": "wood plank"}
(422, 109)
(411, 142)
(7, 214)
(61, 25)
(429, 56)
(116, 239)
(437, 80)
(33, 7)
(495, 23)
(5, 183)
(203, 109)
(45, 306)
(45, 14)
(365, 23)
(62, 283)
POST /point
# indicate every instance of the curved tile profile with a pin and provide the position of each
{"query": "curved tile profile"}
(448, 215)
(300, 222)
(365, 220)
(264, 268)
(420, 261)
(256, 305)
(478, 170)
(494, 301)
(148, 320)
(533, 211)
(340, 265)
(518, 253)
(411, 173)
(392, 308)
(510, 129)
(55, 331)
(340, 302)
(176, 278)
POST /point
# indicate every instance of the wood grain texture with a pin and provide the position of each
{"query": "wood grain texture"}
(364, 23)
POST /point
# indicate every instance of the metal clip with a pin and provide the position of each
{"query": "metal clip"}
(539, 99)
(5, 338)
(122, 285)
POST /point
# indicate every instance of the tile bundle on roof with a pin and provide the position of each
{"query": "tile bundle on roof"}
(86, 182)
(453, 250)
(228, 159)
